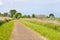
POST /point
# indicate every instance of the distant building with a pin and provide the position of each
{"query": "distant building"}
(41, 16)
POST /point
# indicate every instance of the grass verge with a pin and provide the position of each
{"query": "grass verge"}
(49, 25)
(5, 30)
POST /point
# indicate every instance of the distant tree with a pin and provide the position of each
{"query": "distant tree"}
(51, 15)
(5, 14)
(18, 15)
(12, 12)
(28, 16)
(33, 15)
(24, 16)
(9, 15)
(0, 14)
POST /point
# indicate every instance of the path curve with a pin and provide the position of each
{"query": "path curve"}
(21, 32)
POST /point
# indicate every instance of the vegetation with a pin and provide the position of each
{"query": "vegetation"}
(15, 14)
(5, 14)
(29, 16)
(48, 32)
(5, 30)
(51, 15)
(18, 15)
(49, 25)
(33, 15)
(2, 22)
(12, 12)
(26, 16)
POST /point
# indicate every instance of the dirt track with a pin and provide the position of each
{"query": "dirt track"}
(21, 32)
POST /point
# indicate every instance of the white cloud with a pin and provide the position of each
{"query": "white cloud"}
(1, 3)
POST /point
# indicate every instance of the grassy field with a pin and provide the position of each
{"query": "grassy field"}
(45, 24)
(46, 31)
(5, 30)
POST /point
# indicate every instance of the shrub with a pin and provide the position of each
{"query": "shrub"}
(2, 22)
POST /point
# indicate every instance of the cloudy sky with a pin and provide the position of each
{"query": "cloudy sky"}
(31, 6)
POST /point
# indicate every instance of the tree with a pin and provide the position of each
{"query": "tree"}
(25, 16)
(18, 15)
(28, 16)
(33, 15)
(0, 14)
(5, 14)
(51, 15)
(13, 12)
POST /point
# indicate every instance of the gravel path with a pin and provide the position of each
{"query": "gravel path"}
(21, 32)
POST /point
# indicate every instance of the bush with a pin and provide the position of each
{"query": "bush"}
(6, 20)
(1, 22)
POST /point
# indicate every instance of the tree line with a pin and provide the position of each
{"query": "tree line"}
(15, 14)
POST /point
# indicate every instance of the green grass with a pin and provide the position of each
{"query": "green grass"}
(49, 25)
(5, 30)
(50, 33)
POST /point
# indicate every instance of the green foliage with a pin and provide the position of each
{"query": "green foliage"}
(6, 30)
(33, 15)
(26, 16)
(58, 19)
(1, 14)
(12, 12)
(5, 14)
(50, 33)
(51, 15)
(2, 22)
(18, 15)
(49, 25)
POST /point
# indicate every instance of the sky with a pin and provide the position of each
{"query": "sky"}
(29, 7)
